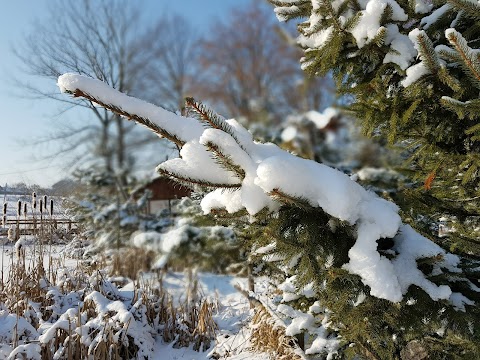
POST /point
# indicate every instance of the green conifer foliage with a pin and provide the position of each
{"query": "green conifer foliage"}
(308, 245)
(311, 247)
(426, 102)
(208, 247)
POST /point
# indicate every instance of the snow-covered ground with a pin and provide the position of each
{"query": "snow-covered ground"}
(232, 318)
(232, 313)
(60, 255)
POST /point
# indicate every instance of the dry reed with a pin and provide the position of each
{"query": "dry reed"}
(37, 293)
(269, 337)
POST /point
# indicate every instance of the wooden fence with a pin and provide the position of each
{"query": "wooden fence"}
(32, 226)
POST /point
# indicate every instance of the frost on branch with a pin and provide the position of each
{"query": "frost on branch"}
(242, 174)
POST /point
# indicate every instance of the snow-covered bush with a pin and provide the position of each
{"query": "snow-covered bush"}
(109, 213)
(193, 241)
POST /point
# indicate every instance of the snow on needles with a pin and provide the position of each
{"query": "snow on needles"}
(188, 129)
(265, 168)
(403, 47)
(369, 24)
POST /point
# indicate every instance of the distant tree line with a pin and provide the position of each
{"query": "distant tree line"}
(62, 187)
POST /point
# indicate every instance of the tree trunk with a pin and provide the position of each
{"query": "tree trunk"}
(120, 151)
(103, 148)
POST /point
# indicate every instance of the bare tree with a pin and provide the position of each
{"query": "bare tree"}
(253, 68)
(175, 61)
(108, 40)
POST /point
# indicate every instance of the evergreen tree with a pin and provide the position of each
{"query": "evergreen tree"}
(413, 71)
(194, 241)
(108, 212)
(357, 280)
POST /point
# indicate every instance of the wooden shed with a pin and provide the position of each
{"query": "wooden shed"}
(163, 190)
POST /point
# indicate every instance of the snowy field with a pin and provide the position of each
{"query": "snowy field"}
(55, 256)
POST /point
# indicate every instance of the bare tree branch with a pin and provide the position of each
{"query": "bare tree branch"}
(254, 72)
(109, 41)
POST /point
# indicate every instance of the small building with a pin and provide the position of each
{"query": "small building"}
(163, 190)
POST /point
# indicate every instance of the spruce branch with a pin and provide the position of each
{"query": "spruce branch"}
(299, 202)
(449, 80)
(394, 120)
(190, 182)
(141, 120)
(471, 172)
(469, 8)
(407, 115)
(470, 109)
(386, 15)
(312, 29)
(332, 14)
(352, 22)
(463, 200)
(207, 116)
(474, 111)
(290, 2)
(380, 37)
(469, 62)
(224, 214)
(292, 9)
(225, 160)
(428, 53)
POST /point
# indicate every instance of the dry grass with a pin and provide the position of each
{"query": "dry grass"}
(268, 337)
(129, 262)
(38, 294)
(26, 279)
(197, 325)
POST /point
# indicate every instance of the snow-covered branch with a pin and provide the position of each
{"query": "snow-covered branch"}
(267, 171)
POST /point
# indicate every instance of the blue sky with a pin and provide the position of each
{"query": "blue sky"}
(24, 121)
